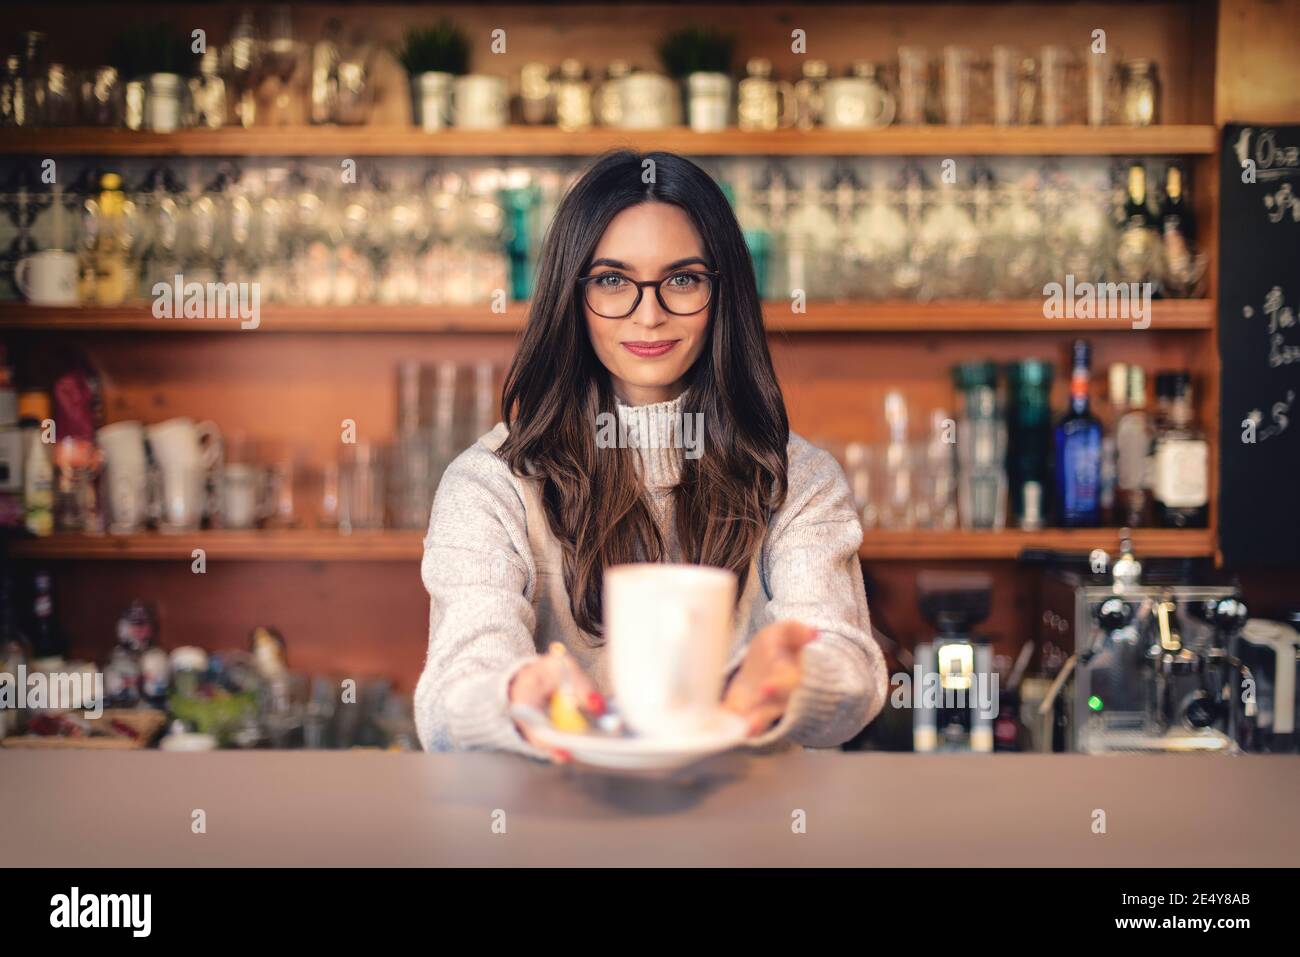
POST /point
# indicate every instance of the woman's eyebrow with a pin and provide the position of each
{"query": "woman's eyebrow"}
(615, 264)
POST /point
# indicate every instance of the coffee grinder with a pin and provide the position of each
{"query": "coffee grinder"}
(954, 698)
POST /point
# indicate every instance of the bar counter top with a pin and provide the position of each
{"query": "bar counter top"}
(367, 808)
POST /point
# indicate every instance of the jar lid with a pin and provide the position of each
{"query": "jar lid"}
(34, 405)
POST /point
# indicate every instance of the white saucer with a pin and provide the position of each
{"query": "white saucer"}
(724, 731)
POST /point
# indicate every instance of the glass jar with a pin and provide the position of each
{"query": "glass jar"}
(1140, 99)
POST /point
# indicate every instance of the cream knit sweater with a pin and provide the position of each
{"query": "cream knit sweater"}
(496, 588)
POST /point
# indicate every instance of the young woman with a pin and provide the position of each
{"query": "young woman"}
(645, 309)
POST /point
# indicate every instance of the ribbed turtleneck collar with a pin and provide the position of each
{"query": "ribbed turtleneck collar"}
(662, 437)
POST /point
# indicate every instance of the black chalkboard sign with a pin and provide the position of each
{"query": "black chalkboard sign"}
(1259, 345)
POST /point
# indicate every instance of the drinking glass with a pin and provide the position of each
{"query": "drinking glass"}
(962, 90)
(1004, 82)
(859, 466)
(361, 488)
(913, 85)
(1101, 83)
(898, 494)
(281, 55)
(1058, 72)
(937, 501)
(240, 66)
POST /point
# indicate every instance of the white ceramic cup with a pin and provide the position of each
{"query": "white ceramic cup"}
(709, 101)
(184, 497)
(182, 441)
(431, 93)
(856, 103)
(648, 101)
(669, 628)
(480, 102)
(48, 278)
(127, 474)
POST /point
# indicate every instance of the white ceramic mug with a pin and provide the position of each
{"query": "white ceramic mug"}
(127, 474)
(181, 441)
(709, 101)
(669, 628)
(48, 278)
(184, 496)
(856, 103)
(480, 102)
(431, 96)
(647, 101)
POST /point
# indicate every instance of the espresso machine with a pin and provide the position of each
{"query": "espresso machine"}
(1142, 664)
(955, 694)
(1271, 649)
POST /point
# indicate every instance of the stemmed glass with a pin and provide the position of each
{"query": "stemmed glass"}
(281, 55)
(240, 62)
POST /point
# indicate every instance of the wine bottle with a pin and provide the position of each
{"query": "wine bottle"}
(1180, 465)
(1078, 451)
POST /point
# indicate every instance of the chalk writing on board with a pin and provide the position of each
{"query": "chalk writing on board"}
(1280, 415)
(1282, 202)
(1281, 317)
(1271, 160)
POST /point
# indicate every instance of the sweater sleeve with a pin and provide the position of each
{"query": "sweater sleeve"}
(812, 573)
(481, 622)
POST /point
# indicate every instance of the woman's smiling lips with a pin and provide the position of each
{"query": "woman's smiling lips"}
(650, 350)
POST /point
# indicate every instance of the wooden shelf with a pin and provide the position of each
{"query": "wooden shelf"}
(933, 545)
(549, 141)
(399, 546)
(325, 545)
(950, 316)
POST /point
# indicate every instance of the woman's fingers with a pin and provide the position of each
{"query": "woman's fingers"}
(792, 636)
(532, 684)
(567, 670)
(763, 717)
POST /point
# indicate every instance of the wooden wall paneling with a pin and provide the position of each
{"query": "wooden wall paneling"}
(1257, 72)
(352, 619)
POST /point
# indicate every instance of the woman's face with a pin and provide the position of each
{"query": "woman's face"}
(648, 353)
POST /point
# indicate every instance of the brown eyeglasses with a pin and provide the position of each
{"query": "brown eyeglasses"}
(612, 295)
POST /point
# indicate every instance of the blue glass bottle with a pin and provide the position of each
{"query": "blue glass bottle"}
(1078, 451)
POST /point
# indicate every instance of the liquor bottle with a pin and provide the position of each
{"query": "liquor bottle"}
(112, 279)
(1133, 449)
(1180, 462)
(38, 465)
(47, 640)
(1177, 234)
(1117, 396)
(1138, 250)
(1029, 440)
(1078, 451)
(1176, 223)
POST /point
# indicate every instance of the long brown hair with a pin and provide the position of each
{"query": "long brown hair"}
(557, 387)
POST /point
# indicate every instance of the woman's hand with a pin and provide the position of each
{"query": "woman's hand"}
(535, 682)
(769, 674)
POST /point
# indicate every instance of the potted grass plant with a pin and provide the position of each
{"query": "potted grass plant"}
(701, 58)
(433, 56)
